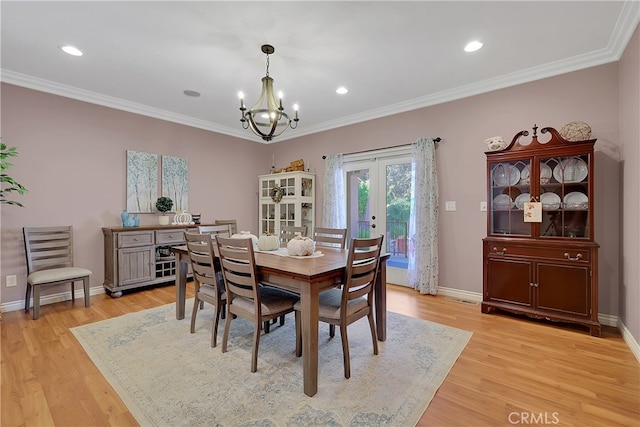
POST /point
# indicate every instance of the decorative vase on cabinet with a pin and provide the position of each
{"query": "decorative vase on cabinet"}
(547, 268)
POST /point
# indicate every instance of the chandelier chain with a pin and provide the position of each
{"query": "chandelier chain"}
(267, 65)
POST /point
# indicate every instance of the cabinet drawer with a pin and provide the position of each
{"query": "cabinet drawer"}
(169, 237)
(570, 254)
(136, 238)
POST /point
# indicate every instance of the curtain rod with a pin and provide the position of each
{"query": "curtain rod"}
(436, 139)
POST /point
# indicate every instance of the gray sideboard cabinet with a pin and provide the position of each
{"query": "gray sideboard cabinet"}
(140, 256)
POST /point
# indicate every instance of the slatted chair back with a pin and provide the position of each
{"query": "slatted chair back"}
(288, 232)
(232, 223)
(223, 230)
(330, 237)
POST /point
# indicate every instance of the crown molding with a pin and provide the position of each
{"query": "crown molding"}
(623, 31)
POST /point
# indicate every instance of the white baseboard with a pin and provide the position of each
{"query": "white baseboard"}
(50, 299)
(629, 339)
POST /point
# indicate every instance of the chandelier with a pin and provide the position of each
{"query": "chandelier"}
(267, 118)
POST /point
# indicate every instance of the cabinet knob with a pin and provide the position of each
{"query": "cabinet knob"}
(135, 239)
(495, 249)
(570, 258)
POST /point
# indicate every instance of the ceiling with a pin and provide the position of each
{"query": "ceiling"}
(393, 56)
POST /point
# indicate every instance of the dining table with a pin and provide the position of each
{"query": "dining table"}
(307, 277)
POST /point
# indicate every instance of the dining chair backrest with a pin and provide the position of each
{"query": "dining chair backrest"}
(201, 256)
(288, 232)
(215, 230)
(232, 223)
(362, 268)
(330, 237)
(237, 261)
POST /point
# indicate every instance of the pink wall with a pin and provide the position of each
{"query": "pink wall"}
(629, 74)
(72, 159)
(590, 95)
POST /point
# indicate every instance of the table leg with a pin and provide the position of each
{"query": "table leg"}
(181, 284)
(380, 295)
(309, 317)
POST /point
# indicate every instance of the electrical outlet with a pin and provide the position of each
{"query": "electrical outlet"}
(12, 281)
(483, 206)
(450, 206)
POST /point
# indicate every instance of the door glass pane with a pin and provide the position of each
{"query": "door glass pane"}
(358, 203)
(510, 189)
(564, 196)
(398, 204)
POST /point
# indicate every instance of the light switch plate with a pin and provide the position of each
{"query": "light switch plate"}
(450, 206)
(483, 206)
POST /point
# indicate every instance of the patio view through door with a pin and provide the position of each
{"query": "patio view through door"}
(378, 202)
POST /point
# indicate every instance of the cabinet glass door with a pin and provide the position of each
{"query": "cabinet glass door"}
(564, 189)
(510, 189)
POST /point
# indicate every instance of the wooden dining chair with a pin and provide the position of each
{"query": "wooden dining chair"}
(49, 253)
(232, 223)
(245, 297)
(288, 232)
(342, 307)
(330, 237)
(208, 280)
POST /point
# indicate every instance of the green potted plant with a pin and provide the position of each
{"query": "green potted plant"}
(164, 205)
(9, 184)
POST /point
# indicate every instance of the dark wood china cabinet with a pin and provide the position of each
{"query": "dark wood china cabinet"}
(546, 269)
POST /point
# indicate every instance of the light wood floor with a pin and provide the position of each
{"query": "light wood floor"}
(512, 372)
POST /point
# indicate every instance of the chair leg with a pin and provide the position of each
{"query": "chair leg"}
(27, 298)
(87, 294)
(214, 328)
(256, 343)
(298, 335)
(267, 326)
(332, 331)
(282, 320)
(73, 291)
(36, 302)
(194, 312)
(374, 336)
(345, 351)
(225, 335)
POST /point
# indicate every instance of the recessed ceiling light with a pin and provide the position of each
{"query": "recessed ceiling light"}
(191, 93)
(71, 50)
(473, 46)
(342, 90)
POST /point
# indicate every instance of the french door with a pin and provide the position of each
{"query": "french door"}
(378, 202)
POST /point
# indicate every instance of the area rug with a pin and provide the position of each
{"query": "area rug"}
(169, 377)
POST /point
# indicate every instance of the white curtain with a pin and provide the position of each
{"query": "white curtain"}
(334, 209)
(423, 222)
